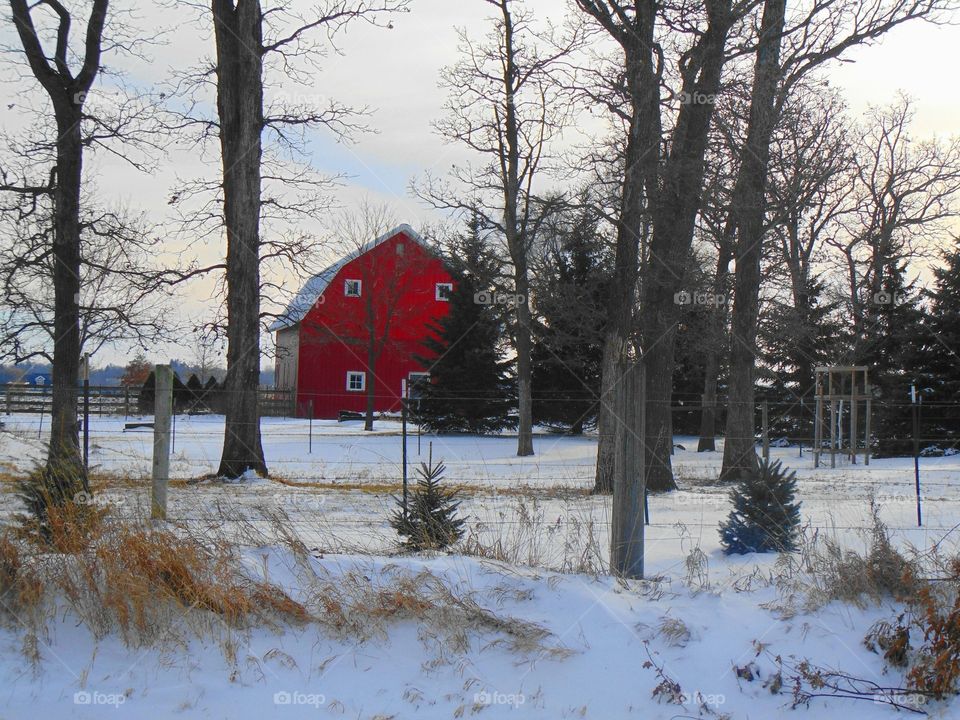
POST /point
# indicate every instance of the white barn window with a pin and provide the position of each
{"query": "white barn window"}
(351, 288)
(443, 291)
(356, 381)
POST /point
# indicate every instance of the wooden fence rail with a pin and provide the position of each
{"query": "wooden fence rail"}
(114, 400)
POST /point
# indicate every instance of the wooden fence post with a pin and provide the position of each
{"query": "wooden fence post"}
(163, 405)
(629, 483)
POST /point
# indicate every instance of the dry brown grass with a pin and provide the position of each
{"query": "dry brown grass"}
(142, 567)
(824, 571)
(394, 488)
(528, 538)
(362, 602)
(839, 574)
(20, 587)
(143, 581)
(159, 586)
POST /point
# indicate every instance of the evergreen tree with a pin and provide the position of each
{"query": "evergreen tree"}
(940, 362)
(765, 515)
(568, 345)
(693, 327)
(796, 337)
(892, 347)
(431, 521)
(470, 389)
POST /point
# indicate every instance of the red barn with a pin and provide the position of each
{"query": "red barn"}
(361, 322)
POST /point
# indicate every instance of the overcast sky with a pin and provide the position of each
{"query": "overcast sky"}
(395, 73)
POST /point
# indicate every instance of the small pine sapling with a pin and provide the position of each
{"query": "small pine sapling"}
(765, 515)
(430, 522)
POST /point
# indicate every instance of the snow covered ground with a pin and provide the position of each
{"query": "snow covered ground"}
(696, 623)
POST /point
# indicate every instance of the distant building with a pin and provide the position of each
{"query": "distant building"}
(380, 298)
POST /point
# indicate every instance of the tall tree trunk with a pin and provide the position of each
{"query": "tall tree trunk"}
(674, 216)
(715, 344)
(805, 364)
(748, 205)
(239, 43)
(624, 401)
(64, 450)
(666, 192)
(708, 410)
(517, 241)
(659, 365)
(619, 416)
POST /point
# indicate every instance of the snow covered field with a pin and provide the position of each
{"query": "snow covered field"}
(696, 622)
(342, 484)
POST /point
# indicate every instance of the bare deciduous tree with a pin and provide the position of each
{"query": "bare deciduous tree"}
(507, 105)
(662, 183)
(815, 34)
(384, 294)
(748, 206)
(896, 202)
(247, 36)
(661, 187)
(120, 301)
(66, 89)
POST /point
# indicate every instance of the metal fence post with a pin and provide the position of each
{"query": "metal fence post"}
(800, 441)
(915, 417)
(403, 451)
(86, 412)
(765, 411)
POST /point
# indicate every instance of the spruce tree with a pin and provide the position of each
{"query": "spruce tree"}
(430, 521)
(796, 337)
(470, 389)
(568, 344)
(693, 326)
(892, 348)
(940, 362)
(765, 515)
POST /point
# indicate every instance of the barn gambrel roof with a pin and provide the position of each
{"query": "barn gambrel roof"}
(315, 286)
